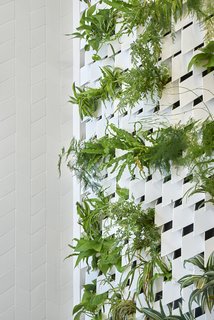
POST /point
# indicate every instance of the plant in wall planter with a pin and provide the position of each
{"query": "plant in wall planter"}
(123, 310)
(103, 252)
(152, 314)
(138, 84)
(89, 99)
(148, 77)
(92, 304)
(97, 26)
(203, 294)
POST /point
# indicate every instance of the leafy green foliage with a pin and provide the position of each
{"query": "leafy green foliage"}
(91, 212)
(97, 26)
(205, 58)
(169, 146)
(92, 304)
(190, 145)
(137, 224)
(111, 82)
(104, 252)
(152, 314)
(201, 160)
(143, 82)
(89, 99)
(91, 157)
(208, 137)
(158, 15)
(149, 269)
(204, 283)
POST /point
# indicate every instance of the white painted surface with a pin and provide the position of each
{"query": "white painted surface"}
(35, 121)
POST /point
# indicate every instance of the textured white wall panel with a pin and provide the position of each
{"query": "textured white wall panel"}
(35, 121)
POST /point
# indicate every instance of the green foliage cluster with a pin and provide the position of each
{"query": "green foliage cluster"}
(104, 253)
(104, 250)
(152, 314)
(203, 294)
(148, 76)
(135, 223)
(97, 26)
(88, 99)
(178, 145)
(92, 304)
(191, 145)
(143, 82)
(205, 58)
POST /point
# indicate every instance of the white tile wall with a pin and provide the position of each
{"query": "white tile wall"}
(34, 57)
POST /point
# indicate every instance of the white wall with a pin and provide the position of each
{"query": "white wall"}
(35, 121)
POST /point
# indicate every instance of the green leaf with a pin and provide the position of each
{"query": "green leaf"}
(153, 314)
(77, 308)
(122, 192)
(78, 315)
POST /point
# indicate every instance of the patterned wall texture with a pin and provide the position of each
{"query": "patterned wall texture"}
(187, 224)
(35, 121)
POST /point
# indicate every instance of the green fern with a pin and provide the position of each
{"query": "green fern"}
(97, 26)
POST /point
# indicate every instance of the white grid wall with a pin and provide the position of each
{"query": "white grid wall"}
(187, 227)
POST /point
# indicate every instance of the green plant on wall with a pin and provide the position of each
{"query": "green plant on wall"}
(203, 294)
(91, 212)
(89, 99)
(103, 252)
(123, 309)
(97, 26)
(143, 83)
(202, 163)
(135, 234)
(205, 58)
(149, 76)
(174, 145)
(92, 304)
(97, 154)
(152, 314)
(111, 82)
(170, 146)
